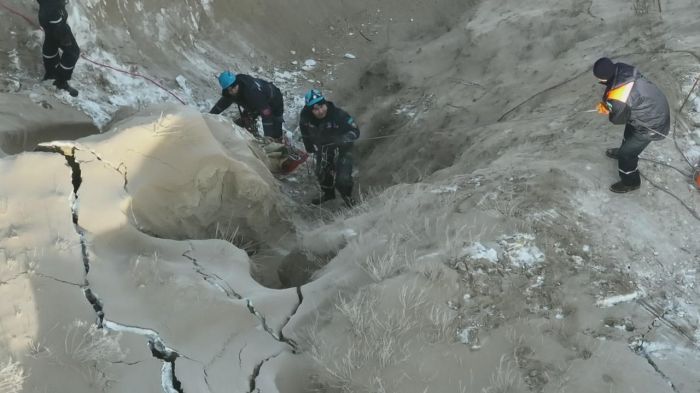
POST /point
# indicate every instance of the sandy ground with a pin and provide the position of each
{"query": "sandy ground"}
(147, 247)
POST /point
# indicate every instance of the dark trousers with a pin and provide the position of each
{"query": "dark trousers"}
(272, 126)
(58, 35)
(334, 169)
(633, 143)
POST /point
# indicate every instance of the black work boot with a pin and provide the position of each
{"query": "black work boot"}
(622, 188)
(63, 85)
(327, 196)
(612, 153)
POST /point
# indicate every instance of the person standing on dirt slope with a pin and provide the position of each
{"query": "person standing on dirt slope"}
(634, 101)
(329, 132)
(254, 97)
(59, 65)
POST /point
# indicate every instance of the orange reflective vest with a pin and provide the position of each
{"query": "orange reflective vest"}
(620, 93)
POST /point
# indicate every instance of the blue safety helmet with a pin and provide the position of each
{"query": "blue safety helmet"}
(313, 97)
(227, 79)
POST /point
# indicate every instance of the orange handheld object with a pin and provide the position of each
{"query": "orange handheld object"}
(602, 108)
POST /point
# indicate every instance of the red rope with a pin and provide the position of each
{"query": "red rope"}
(13, 11)
(134, 74)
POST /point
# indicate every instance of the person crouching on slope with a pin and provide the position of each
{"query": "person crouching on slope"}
(329, 132)
(256, 97)
(631, 99)
(59, 66)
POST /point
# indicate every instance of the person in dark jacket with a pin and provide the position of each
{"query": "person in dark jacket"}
(329, 132)
(634, 101)
(254, 97)
(59, 65)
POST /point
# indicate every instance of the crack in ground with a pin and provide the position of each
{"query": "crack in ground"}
(127, 363)
(218, 282)
(240, 353)
(637, 346)
(256, 372)
(206, 379)
(159, 350)
(276, 335)
(642, 352)
(42, 275)
(68, 149)
(75, 284)
(218, 356)
(16, 276)
(300, 296)
(212, 278)
(223, 285)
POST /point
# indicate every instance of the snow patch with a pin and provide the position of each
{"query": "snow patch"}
(182, 82)
(102, 90)
(348, 234)
(309, 65)
(408, 111)
(613, 300)
(578, 261)
(468, 336)
(539, 281)
(430, 255)
(444, 190)
(521, 251)
(477, 251)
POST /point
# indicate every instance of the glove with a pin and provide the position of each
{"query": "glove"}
(604, 108)
(247, 122)
(241, 122)
(244, 121)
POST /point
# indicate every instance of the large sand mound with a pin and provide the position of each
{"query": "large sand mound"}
(169, 171)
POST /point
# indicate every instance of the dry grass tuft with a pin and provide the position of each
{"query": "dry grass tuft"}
(11, 377)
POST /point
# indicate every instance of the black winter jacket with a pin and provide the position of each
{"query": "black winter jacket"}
(636, 101)
(53, 18)
(337, 128)
(255, 96)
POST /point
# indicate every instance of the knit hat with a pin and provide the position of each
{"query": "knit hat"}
(604, 68)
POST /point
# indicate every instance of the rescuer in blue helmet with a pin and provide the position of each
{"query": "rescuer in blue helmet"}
(254, 97)
(329, 132)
